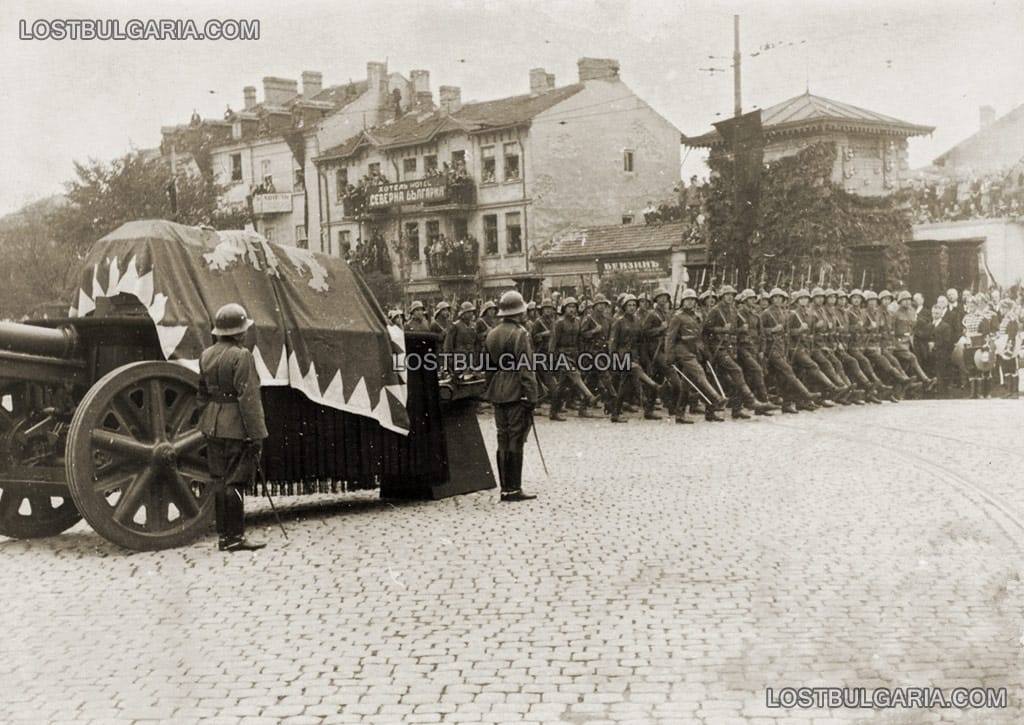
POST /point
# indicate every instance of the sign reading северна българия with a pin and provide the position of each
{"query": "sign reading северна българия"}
(408, 192)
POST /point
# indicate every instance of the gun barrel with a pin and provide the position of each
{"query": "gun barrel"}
(32, 340)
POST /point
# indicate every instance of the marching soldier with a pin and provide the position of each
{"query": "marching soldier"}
(750, 343)
(462, 339)
(231, 420)
(874, 326)
(625, 341)
(595, 329)
(565, 342)
(888, 338)
(513, 393)
(775, 322)
(799, 330)
(531, 314)
(722, 325)
(683, 341)
(442, 319)
(836, 306)
(652, 348)
(540, 336)
(488, 320)
(417, 318)
(821, 332)
(856, 319)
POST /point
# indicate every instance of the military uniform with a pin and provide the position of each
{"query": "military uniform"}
(594, 332)
(799, 333)
(683, 342)
(540, 336)
(231, 420)
(625, 339)
(774, 323)
(564, 345)
(750, 345)
(721, 326)
(514, 393)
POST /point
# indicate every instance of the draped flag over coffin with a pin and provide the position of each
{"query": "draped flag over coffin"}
(318, 328)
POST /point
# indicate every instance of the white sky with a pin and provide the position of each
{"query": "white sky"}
(931, 62)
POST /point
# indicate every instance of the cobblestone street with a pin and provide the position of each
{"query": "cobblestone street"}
(666, 574)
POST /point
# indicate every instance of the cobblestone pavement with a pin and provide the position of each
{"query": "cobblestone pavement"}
(666, 574)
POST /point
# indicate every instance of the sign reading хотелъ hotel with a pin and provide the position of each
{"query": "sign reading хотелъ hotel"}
(408, 192)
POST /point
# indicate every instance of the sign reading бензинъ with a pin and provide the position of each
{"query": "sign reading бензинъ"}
(647, 266)
(408, 192)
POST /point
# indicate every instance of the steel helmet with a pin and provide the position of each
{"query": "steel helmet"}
(659, 293)
(801, 293)
(688, 294)
(706, 294)
(231, 319)
(817, 292)
(778, 292)
(884, 293)
(599, 299)
(627, 298)
(840, 292)
(546, 302)
(466, 307)
(727, 289)
(745, 295)
(488, 305)
(416, 305)
(570, 301)
(511, 303)
(532, 305)
(442, 305)
(904, 295)
(870, 295)
(829, 292)
(856, 293)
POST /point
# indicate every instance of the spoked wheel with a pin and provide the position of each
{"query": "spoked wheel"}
(27, 514)
(136, 460)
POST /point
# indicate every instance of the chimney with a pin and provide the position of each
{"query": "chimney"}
(424, 101)
(377, 76)
(538, 81)
(594, 69)
(450, 98)
(987, 115)
(278, 91)
(249, 93)
(312, 83)
(420, 81)
(550, 78)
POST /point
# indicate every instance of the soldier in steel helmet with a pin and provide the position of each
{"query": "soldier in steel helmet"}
(774, 323)
(564, 345)
(721, 326)
(683, 342)
(417, 318)
(513, 391)
(231, 419)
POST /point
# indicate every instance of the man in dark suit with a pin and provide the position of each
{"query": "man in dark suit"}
(512, 389)
(940, 350)
(231, 419)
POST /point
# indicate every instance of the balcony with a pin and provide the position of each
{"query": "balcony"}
(447, 258)
(264, 204)
(438, 191)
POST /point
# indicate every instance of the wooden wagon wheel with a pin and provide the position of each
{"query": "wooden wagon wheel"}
(26, 514)
(136, 461)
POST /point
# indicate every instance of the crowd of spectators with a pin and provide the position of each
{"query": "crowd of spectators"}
(968, 196)
(447, 257)
(371, 256)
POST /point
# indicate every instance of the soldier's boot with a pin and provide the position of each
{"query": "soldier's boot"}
(233, 512)
(515, 473)
(556, 405)
(649, 398)
(738, 414)
(871, 395)
(789, 407)
(807, 405)
(712, 417)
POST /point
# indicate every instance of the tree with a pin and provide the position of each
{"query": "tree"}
(804, 220)
(35, 270)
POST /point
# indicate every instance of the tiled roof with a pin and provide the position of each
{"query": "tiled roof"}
(808, 110)
(415, 128)
(986, 135)
(617, 240)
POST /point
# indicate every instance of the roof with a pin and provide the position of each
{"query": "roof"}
(616, 240)
(987, 136)
(416, 128)
(331, 98)
(808, 112)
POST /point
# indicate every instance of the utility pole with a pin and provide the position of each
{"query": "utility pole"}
(738, 106)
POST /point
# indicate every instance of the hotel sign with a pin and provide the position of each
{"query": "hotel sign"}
(272, 204)
(408, 192)
(646, 267)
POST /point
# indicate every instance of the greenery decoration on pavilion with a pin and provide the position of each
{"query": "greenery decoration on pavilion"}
(805, 221)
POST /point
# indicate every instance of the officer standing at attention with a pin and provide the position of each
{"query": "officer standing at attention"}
(231, 419)
(512, 389)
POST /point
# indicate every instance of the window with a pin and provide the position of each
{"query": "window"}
(513, 233)
(433, 230)
(409, 165)
(627, 160)
(341, 179)
(412, 239)
(461, 229)
(458, 157)
(627, 219)
(344, 243)
(487, 165)
(300, 237)
(511, 162)
(490, 234)
(430, 164)
(236, 167)
(268, 178)
(298, 181)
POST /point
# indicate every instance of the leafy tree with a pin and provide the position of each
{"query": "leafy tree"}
(804, 220)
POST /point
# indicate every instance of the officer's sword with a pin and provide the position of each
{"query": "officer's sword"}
(692, 385)
(717, 381)
(536, 438)
(266, 492)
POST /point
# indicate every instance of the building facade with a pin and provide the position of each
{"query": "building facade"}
(457, 196)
